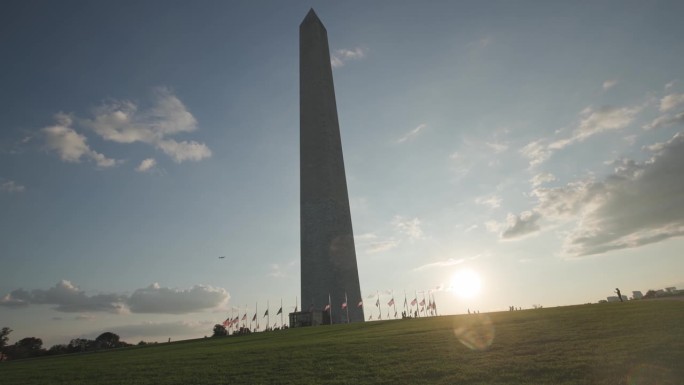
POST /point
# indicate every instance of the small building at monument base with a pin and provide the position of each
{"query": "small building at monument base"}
(309, 318)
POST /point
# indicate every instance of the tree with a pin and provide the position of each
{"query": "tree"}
(4, 333)
(58, 349)
(79, 345)
(108, 340)
(25, 347)
(220, 331)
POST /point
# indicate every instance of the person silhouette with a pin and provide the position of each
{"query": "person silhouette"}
(618, 294)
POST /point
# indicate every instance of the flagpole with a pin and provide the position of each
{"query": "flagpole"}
(329, 308)
(394, 304)
(377, 302)
(268, 315)
(405, 303)
(416, 296)
(281, 313)
(425, 308)
(256, 311)
(346, 305)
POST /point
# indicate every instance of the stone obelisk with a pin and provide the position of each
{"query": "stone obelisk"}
(328, 262)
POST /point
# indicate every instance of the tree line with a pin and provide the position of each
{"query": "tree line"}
(33, 347)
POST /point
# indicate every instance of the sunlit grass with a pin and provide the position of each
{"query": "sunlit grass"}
(639, 342)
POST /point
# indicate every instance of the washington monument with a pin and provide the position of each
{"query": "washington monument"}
(328, 264)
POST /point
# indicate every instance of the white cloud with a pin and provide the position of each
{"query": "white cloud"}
(670, 84)
(638, 204)
(671, 101)
(608, 84)
(492, 201)
(11, 186)
(146, 165)
(521, 225)
(497, 147)
(408, 227)
(157, 299)
(70, 145)
(67, 297)
(276, 271)
(595, 121)
(592, 122)
(665, 120)
(124, 122)
(448, 262)
(182, 151)
(381, 246)
(341, 56)
(536, 152)
(542, 178)
(413, 133)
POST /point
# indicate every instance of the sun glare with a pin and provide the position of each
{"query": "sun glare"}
(466, 283)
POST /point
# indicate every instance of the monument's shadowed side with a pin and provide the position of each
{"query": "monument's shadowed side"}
(328, 257)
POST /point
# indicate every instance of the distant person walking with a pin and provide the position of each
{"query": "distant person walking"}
(618, 293)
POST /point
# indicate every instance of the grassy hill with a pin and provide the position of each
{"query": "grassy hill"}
(638, 342)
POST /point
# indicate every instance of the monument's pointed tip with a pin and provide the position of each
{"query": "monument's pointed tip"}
(311, 17)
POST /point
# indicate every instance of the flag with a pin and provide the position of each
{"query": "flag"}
(371, 317)
(360, 304)
(344, 305)
(237, 318)
(265, 314)
(415, 301)
(295, 308)
(281, 310)
(226, 322)
(391, 302)
(377, 303)
(254, 318)
(422, 303)
(244, 317)
(326, 307)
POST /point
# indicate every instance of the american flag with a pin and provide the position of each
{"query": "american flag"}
(360, 304)
(415, 301)
(391, 302)
(344, 305)
(326, 307)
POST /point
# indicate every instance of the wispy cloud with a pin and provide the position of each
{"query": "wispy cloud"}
(125, 122)
(11, 186)
(665, 121)
(381, 246)
(521, 225)
(491, 200)
(341, 56)
(542, 178)
(592, 121)
(146, 165)
(446, 263)
(638, 204)
(608, 84)
(70, 145)
(413, 133)
(410, 227)
(672, 101)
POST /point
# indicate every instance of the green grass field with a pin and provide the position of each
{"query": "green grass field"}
(635, 343)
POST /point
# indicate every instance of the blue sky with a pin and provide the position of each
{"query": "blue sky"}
(538, 146)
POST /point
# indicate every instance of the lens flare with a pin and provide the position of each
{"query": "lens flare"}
(475, 331)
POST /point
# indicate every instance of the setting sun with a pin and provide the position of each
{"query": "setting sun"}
(466, 283)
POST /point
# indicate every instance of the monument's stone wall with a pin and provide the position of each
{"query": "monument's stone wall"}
(328, 256)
